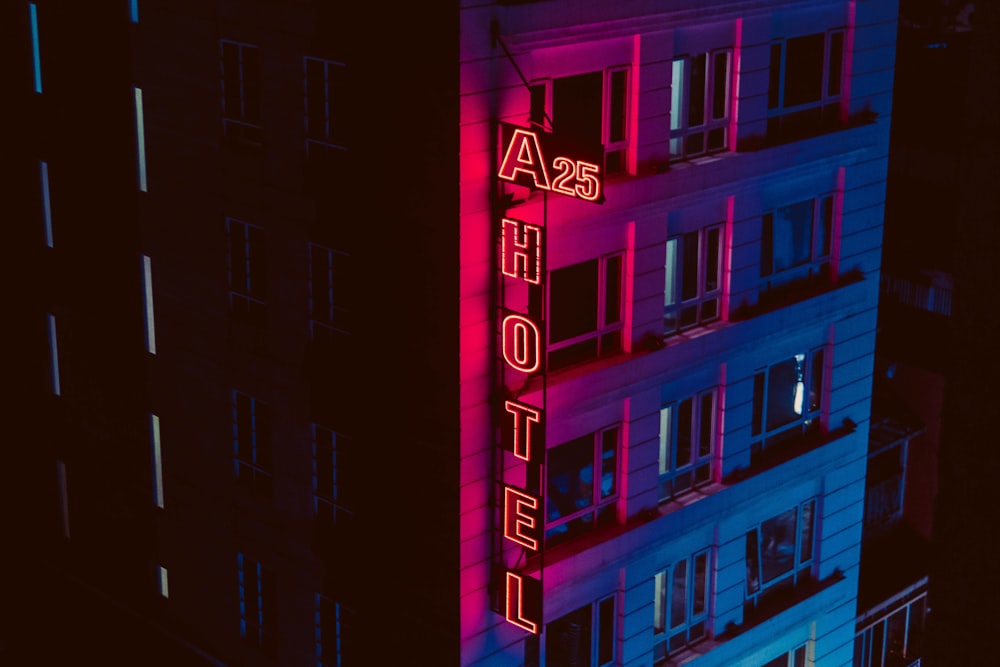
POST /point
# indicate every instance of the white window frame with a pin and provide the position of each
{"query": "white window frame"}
(56, 385)
(680, 106)
(36, 56)
(669, 635)
(157, 461)
(677, 480)
(140, 140)
(149, 321)
(162, 581)
(776, 111)
(43, 176)
(706, 304)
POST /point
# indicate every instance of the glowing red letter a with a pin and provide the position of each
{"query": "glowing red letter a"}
(524, 155)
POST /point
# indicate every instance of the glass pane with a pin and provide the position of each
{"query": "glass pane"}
(777, 553)
(231, 80)
(606, 631)
(696, 102)
(895, 636)
(616, 120)
(659, 602)
(816, 381)
(678, 595)
(685, 433)
(609, 457)
(537, 113)
(573, 302)
(578, 107)
(705, 427)
(337, 91)
(915, 636)
(757, 418)
(766, 245)
(237, 256)
(676, 96)
(791, 237)
(613, 290)
(836, 66)
(753, 565)
(800, 657)
(807, 532)
(784, 392)
(878, 636)
(244, 428)
(804, 69)
(824, 227)
(774, 78)
(689, 266)
(700, 603)
(258, 265)
(670, 288)
(665, 414)
(713, 253)
(567, 642)
(720, 83)
(262, 435)
(570, 478)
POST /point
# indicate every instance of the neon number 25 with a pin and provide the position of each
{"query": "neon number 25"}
(584, 173)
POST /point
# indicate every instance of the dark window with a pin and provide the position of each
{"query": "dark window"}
(330, 274)
(582, 485)
(796, 242)
(805, 82)
(585, 311)
(788, 400)
(582, 638)
(693, 274)
(779, 552)
(680, 605)
(252, 444)
(240, 93)
(699, 104)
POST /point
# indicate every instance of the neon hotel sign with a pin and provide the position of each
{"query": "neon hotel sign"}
(542, 161)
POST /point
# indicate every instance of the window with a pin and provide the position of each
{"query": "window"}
(794, 658)
(329, 278)
(787, 400)
(699, 104)
(687, 443)
(54, 356)
(36, 57)
(163, 582)
(257, 603)
(885, 484)
(805, 84)
(693, 279)
(43, 175)
(247, 270)
(332, 454)
(780, 553)
(147, 304)
(154, 441)
(240, 93)
(325, 90)
(796, 241)
(583, 638)
(895, 640)
(680, 604)
(582, 485)
(335, 634)
(585, 311)
(252, 444)
(592, 108)
(133, 11)
(140, 140)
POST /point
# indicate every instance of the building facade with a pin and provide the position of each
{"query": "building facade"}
(542, 335)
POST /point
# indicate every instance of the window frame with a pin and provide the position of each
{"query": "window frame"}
(700, 467)
(822, 230)
(812, 417)
(682, 130)
(601, 508)
(322, 140)
(755, 589)
(601, 645)
(609, 336)
(794, 658)
(247, 300)
(694, 627)
(257, 603)
(674, 319)
(878, 631)
(334, 313)
(243, 125)
(343, 617)
(330, 505)
(828, 103)
(254, 470)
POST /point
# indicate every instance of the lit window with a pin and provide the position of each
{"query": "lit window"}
(257, 603)
(680, 607)
(805, 85)
(54, 356)
(43, 175)
(63, 498)
(585, 311)
(163, 583)
(687, 444)
(583, 638)
(247, 270)
(329, 283)
(133, 11)
(154, 440)
(693, 279)
(699, 104)
(336, 634)
(582, 485)
(794, 658)
(896, 638)
(36, 57)
(147, 304)
(240, 93)
(796, 242)
(779, 553)
(140, 140)
(591, 108)
(252, 444)
(788, 401)
(332, 454)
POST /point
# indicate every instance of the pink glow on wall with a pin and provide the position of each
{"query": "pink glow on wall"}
(521, 251)
(521, 512)
(734, 97)
(521, 343)
(727, 257)
(629, 287)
